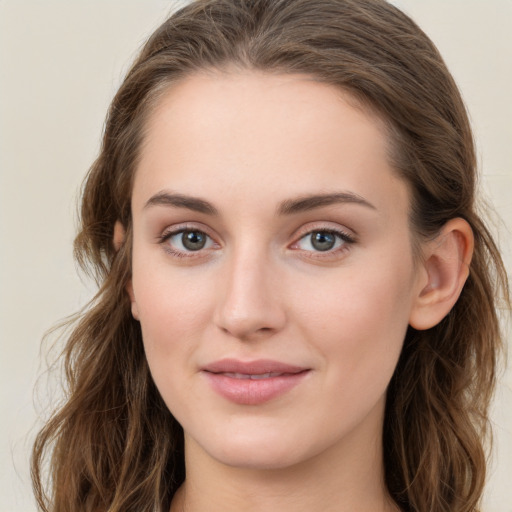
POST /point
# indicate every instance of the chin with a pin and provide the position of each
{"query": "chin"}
(256, 451)
(257, 458)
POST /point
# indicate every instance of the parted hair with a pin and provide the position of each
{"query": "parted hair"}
(113, 445)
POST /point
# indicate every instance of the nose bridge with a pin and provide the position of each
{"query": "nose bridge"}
(250, 303)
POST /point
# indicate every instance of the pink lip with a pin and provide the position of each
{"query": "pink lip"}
(238, 381)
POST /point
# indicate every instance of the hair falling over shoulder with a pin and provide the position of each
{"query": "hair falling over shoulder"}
(114, 446)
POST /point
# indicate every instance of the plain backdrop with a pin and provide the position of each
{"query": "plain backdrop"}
(60, 64)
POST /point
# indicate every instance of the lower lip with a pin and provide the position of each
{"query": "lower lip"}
(253, 391)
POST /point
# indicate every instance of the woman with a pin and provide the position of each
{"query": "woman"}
(297, 304)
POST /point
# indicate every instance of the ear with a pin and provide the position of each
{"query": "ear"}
(118, 240)
(445, 268)
(119, 235)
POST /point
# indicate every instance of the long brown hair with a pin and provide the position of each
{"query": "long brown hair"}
(113, 445)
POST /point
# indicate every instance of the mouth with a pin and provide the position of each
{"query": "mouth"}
(253, 376)
(254, 382)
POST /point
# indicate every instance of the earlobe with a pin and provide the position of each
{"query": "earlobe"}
(135, 309)
(446, 266)
(119, 235)
(118, 240)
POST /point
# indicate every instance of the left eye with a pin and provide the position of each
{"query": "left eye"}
(189, 241)
(322, 241)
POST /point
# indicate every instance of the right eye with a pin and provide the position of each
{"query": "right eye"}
(186, 241)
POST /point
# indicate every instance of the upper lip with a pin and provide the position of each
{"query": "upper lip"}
(257, 367)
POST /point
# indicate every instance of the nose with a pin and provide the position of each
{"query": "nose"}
(251, 306)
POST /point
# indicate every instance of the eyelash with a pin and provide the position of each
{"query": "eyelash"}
(340, 235)
(345, 238)
(168, 234)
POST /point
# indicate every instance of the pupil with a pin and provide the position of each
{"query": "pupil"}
(193, 240)
(322, 240)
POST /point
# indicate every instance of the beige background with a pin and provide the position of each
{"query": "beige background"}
(60, 63)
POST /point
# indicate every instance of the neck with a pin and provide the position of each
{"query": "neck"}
(345, 479)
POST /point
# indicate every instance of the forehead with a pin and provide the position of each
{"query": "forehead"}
(258, 133)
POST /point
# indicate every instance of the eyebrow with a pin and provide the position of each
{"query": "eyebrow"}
(310, 202)
(195, 204)
(287, 207)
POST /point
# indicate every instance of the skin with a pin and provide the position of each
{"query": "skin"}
(249, 143)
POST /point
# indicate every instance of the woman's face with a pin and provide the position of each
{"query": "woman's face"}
(273, 275)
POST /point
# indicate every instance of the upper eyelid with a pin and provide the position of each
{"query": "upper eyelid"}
(185, 226)
(333, 227)
(345, 237)
(336, 231)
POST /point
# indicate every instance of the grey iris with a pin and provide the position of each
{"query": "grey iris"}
(193, 240)
(323, 240)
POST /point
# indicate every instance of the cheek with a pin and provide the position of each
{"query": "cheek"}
(172, 308)
(172, 315)
(359, 319)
